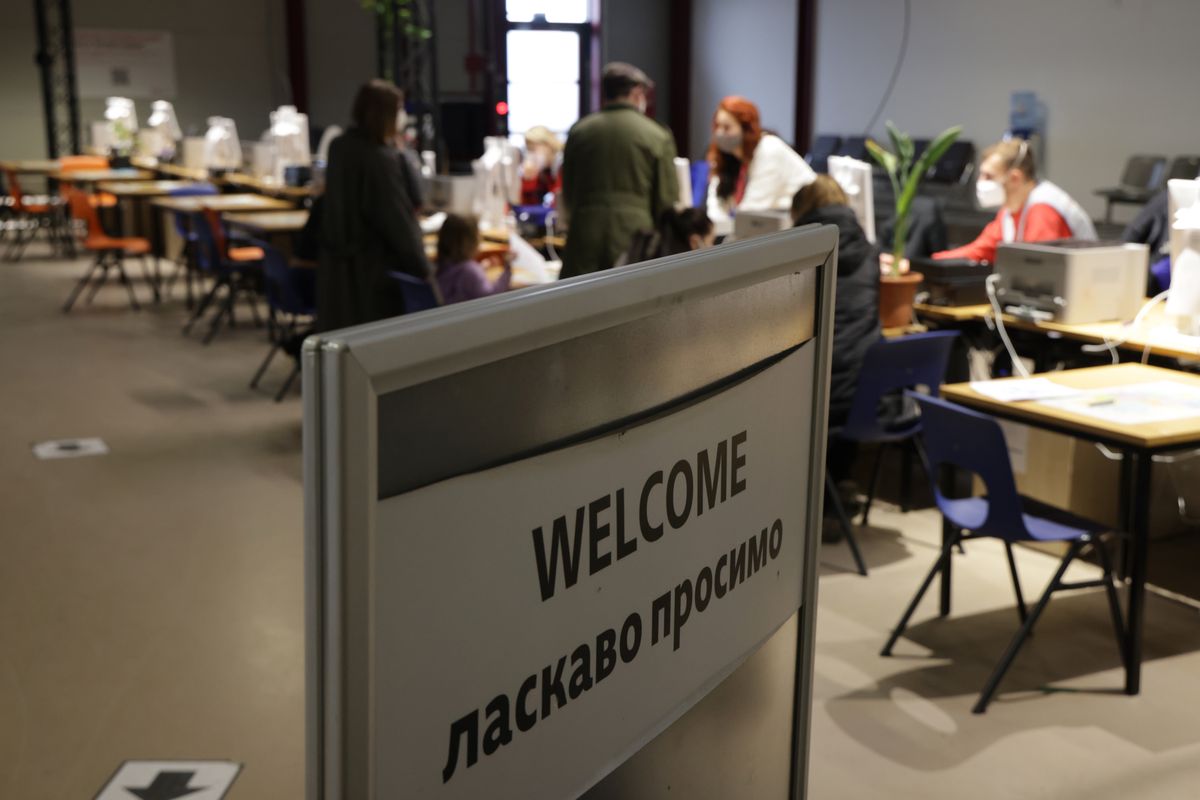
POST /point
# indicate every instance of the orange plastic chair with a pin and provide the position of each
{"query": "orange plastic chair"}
(110, 252)
(40, 214)
(69, 164)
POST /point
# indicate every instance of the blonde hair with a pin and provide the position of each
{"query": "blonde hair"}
(540, 134)
(824, 191)
(1016, 154)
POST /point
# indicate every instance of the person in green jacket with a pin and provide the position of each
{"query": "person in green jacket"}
(618, 173)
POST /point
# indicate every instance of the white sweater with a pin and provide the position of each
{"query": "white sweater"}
(775, 174)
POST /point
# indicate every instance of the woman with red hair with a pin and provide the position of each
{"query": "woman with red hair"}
(750, 169)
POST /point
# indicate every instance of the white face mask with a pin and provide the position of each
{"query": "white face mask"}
(401, 121)
(990, 194)
(728, 142)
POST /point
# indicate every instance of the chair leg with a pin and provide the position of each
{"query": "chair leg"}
(154, 279)
(875, 470)
(283, 390)
(1110, 589)
(87, 276)
(105, 265)
(844, 521)
(1022, 611)
(263, 367)
(938, 565)
(226, 310)
(121, 274)
(205, 302)
(1014, 646)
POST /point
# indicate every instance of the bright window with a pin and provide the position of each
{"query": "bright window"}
(553, 10)
(543, 79)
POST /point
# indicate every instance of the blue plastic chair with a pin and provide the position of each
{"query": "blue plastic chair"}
(889, 367)
(291, 294)
(419, 294)
(699, 170)
(188, 236)
(236, 269)
(968, 440)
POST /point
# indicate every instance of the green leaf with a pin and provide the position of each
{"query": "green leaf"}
(886, 160)
(902, 144)
(935, 151)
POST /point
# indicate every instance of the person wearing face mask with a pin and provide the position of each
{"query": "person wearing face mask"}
(618, 173)
(751, 169)
(539, 169)
(1029, 210)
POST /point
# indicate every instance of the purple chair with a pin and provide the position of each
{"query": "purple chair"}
(963, 439)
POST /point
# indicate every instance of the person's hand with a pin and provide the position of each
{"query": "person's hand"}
(885, 264)
(509, 258)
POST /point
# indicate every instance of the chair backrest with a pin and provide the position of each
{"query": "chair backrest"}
(855, 147)
(81, 208)
(956, 165)
(1144, 172)
(699, 169)
(822, 149)
(1184, 168)
(210, 239)
(892, 365)
(180, 218)
(968, 440)
(14, 189)
(289, 289)
(78, 163)
(418, 293)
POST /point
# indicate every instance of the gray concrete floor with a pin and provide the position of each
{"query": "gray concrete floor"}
(151, 599)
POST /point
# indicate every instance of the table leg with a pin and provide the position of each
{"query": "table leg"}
(1125, 514)
(1140, 532)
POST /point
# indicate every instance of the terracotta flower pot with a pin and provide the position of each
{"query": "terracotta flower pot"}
(896, 294)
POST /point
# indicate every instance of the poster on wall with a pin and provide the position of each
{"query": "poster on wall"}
(137, 64)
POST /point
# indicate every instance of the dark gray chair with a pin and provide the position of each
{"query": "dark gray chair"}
(1143, 176)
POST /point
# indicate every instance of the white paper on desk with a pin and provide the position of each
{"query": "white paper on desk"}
(1136, 404)
(1009, 390)
(529, 266)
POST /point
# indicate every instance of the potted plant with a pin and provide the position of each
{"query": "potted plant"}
(897, 290)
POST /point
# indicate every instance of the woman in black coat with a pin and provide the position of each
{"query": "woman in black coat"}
(856, 304)
(369, 226)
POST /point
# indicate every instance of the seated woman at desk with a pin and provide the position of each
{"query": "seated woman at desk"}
(752, 170)
(459, 276)
(1030, 210)
(855, 313)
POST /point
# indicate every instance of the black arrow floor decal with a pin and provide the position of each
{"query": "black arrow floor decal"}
(166, 786)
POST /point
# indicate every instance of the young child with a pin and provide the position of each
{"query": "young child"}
(459, 276)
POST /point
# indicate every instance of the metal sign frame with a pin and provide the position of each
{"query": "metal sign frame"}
(582, 357)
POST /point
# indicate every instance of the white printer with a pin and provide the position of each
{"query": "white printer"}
(1072, 281)
(749, 224)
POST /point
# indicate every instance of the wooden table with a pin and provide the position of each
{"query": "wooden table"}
(268, 223)
(171, 170)
(268, 187)
(101, 175)
(1148, 336)
(30, 166)
(223, 203)
(1138, 442)
(143, 188)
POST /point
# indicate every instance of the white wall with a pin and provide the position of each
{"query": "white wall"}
(341, 57)
(748, 48)
(639, 33)
(22, 132)
(230, 57)
(1118, 76)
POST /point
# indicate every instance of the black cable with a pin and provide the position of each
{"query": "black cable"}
(887, 95)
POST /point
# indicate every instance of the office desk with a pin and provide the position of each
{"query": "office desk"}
(275, 227)
(30, 166)
(268, 223)
(1138, 442)
(223, 203)
(143, 188)
(268, 187)
(171, 170)
(93, 176)
(1151, 333)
